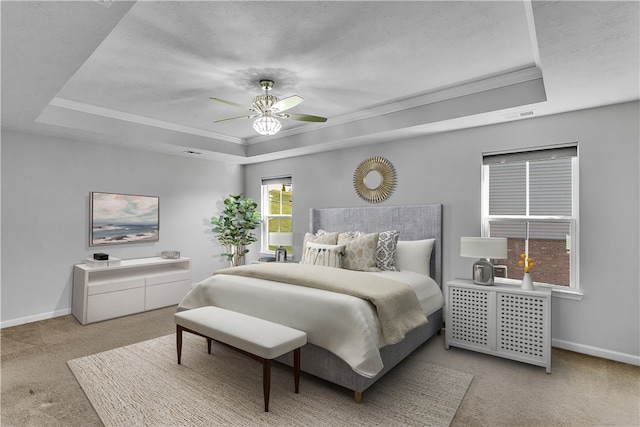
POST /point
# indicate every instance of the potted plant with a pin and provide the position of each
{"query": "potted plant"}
(233, 227)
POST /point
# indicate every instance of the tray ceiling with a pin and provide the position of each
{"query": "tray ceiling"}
(141, 74)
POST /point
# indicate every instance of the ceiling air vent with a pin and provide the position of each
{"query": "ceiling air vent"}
(519, 115)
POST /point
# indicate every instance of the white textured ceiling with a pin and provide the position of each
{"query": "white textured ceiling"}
(141, 74)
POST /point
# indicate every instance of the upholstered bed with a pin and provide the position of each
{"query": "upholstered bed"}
(347, 343)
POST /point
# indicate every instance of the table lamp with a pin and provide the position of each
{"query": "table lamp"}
(282, 240)
(483, 248)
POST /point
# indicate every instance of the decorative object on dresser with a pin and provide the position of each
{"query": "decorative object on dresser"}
(135, 285)
(233, 227)
(374, 179)
(483, 248)
(123, 218)
(502, 320)
(111, 262)
(170, 254)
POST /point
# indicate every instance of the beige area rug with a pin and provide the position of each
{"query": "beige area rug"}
(142, 385)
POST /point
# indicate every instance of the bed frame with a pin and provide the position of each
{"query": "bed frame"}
(414, 222)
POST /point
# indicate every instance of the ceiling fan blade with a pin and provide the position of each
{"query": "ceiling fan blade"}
(234, 104)
(304, 117)
(286, 103)
(236, 118)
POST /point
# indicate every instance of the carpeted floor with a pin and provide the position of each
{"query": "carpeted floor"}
(143, 384)
(39, 389)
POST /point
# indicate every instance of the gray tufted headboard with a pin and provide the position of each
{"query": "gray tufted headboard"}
(414, 222)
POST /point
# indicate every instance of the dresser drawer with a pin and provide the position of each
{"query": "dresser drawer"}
(114, 304)
(115, 285)
(169, 276)
(166, 294)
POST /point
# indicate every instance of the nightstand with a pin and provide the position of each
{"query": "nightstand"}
(501, 320)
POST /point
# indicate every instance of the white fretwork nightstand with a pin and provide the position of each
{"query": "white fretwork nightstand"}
(502, 320)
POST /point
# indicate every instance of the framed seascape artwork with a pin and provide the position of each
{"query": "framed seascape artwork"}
(123, 218)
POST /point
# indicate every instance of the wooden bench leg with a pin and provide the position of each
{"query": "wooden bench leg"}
(296, 368)
(266, 382)
(357, 396)
(179, 341)
(266, 363)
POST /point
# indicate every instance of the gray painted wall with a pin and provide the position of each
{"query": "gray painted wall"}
(45, 214)
(446, 168)
(46, 184)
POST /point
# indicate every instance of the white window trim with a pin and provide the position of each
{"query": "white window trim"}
(264, 200)
(573, 291)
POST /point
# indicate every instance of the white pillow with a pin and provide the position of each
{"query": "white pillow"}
(414, 255)
(323, 255)
(321, 236)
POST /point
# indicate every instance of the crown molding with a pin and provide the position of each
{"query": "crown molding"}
(508, 78)
(134, 118)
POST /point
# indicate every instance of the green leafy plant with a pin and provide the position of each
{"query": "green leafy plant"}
(233, 227)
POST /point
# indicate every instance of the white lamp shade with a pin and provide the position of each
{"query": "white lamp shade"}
(281, 239)
(483, 247)
(267, 125)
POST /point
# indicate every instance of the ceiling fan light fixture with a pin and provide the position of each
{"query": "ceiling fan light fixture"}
(266, 106)
(267, 125)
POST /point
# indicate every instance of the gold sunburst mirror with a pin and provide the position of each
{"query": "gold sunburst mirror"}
(374, 179)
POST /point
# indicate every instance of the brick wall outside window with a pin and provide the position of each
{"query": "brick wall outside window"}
(550, 256)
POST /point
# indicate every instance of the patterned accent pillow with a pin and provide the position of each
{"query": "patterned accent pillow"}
(387, 242)
(323, 255)
(360, 251)
(325, 238)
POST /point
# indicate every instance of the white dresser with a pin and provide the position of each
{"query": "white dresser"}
(502, 320)
(136, 285)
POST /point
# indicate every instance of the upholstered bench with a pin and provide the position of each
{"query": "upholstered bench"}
(257, 338)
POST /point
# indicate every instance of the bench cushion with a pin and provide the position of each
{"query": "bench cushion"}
(256, 336)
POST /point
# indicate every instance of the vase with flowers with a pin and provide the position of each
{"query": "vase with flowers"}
(527, 264)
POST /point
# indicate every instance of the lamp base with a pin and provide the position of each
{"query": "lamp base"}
(483, 272)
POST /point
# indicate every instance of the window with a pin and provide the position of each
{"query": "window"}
(531, 198)
(277, 214)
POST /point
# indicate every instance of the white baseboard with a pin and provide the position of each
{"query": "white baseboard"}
(34, 318)
(631, 359)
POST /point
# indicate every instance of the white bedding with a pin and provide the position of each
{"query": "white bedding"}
(345, 325)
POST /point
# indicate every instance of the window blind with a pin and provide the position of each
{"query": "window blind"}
(531, 155)
(286, 180)
(545, 176)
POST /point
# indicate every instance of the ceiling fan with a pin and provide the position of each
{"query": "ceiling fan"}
(268, 109)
